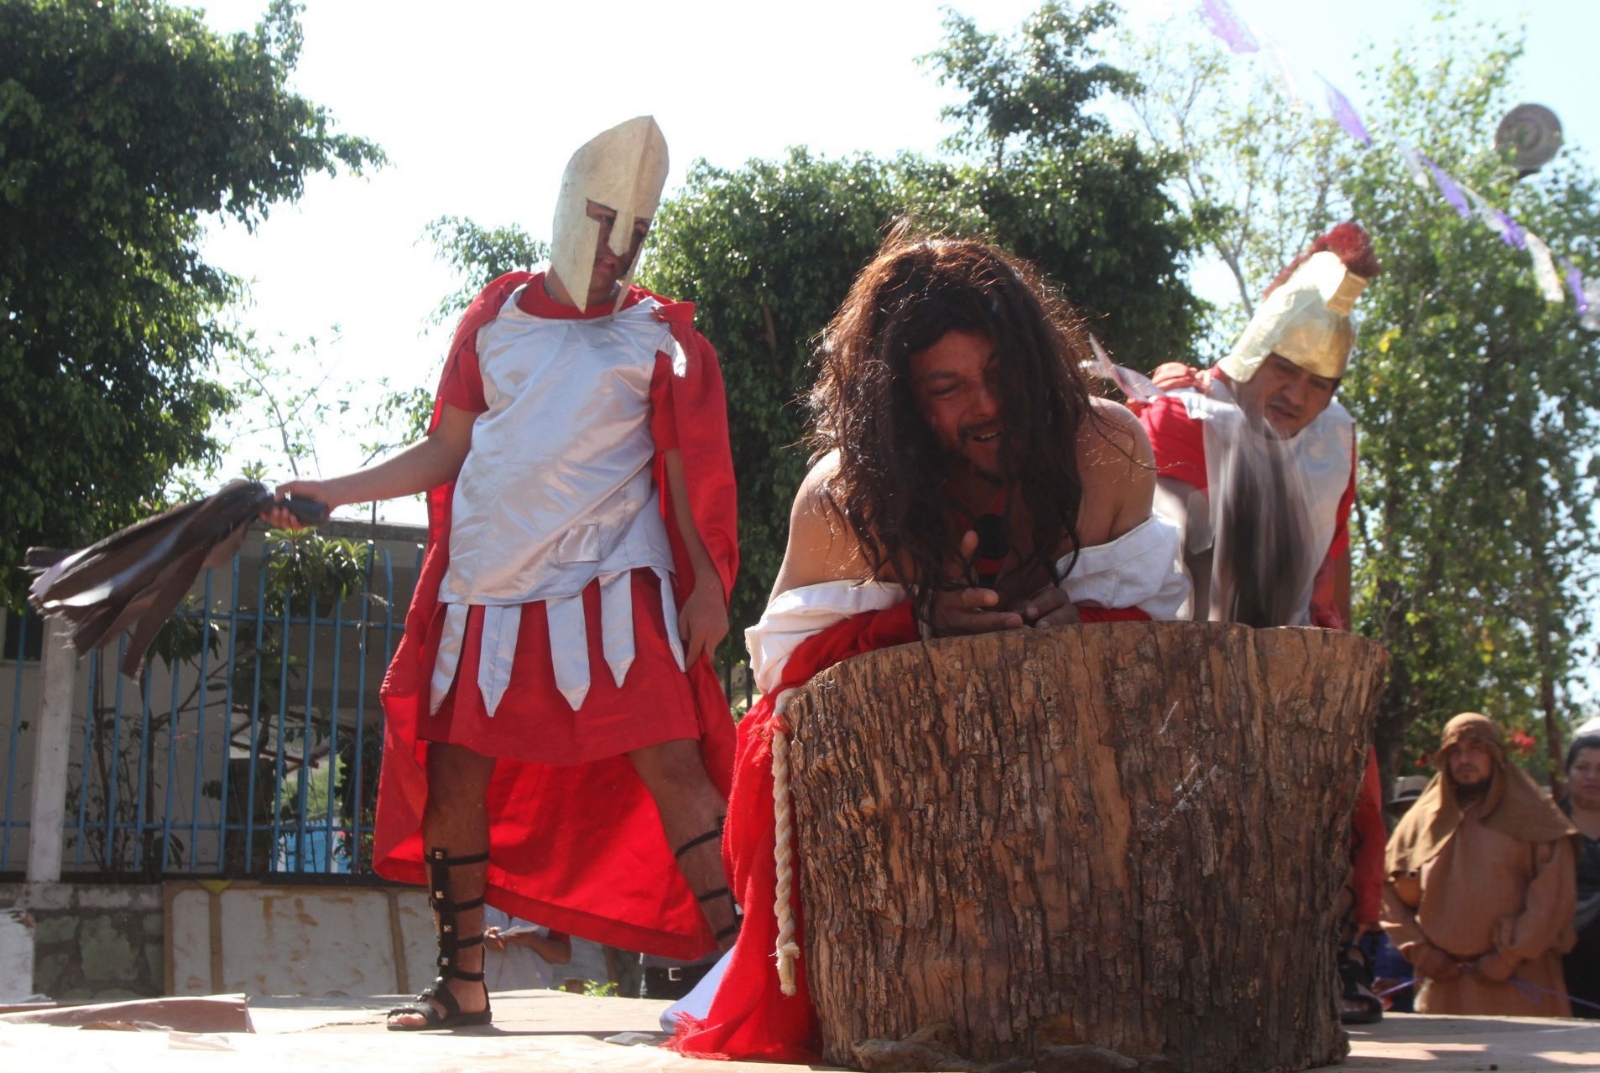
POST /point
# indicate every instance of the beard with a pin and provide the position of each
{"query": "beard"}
(958, 457)
(1472, 793)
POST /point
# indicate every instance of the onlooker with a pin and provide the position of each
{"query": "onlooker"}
(665, 978)
(1479, 895)
(1407, 789)
(1582, 963)
(518, 955)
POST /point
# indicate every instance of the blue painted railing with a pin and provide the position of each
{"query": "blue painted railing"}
(237, 754)
(246, 749)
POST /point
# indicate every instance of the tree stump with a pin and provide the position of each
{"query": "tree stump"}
(1126, 836)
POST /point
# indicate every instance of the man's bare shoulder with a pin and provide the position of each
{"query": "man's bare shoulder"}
(1112, 437)
(1118, 471)
(822, 544)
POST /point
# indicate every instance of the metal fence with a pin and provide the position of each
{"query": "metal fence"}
(252, 743)
(249, 746)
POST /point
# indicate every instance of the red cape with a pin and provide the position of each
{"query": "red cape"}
(578, 849)
(750, 1017)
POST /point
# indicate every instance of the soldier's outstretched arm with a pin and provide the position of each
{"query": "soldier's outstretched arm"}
(426, 464)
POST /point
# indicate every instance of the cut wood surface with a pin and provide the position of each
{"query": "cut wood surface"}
(1127, 836)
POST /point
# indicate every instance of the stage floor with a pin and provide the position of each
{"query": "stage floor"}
(552, 1030)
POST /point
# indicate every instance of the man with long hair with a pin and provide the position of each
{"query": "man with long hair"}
(964, 481)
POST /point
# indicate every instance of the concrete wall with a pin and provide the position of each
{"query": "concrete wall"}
(93, 943)
(103, 942)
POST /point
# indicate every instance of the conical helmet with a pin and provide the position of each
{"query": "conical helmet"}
(1305, 315)
(622, 169)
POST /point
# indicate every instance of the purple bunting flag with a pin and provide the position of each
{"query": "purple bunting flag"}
(1511, 232)
(1448, 187)
(1575, 284)
(1220, 20)
(1346, 114)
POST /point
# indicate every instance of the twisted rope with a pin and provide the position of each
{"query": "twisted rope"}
(788, 951)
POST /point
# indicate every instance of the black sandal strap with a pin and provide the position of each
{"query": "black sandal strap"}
(442, 856)
(699, 840)
(438, 992)
(447, 966)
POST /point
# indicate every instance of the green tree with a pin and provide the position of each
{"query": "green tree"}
(1474, 396)
(767, 253)
(1256, 179)
(479, 255)
(1048, 178)
(123, 124)
(1476, 399)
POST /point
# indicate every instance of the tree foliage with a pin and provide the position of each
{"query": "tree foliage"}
(1476, 400)
(1474, 397)
(478, 255)
(769, 250)
(767, 253)
(1046, 177)
(1034, 87)
(123, 124)
(1257, 180)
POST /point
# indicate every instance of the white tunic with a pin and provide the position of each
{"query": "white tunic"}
(1322, 456)
(556, 491)
(1137, 569)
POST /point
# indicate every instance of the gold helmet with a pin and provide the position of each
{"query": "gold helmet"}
(623, 169)
(1305, 314)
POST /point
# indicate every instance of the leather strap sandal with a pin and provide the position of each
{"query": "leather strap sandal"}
(714, 834)
(450, 946)
(1358, 1005)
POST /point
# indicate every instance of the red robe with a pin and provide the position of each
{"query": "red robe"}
(579, 848)
(750, 1017)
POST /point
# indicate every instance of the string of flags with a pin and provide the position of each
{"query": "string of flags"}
(1243, 38)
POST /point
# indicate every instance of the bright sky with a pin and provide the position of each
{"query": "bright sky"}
(478, 105)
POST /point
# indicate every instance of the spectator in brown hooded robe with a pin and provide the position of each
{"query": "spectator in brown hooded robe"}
(1480, 887)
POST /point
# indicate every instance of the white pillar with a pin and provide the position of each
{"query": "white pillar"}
(48, 817)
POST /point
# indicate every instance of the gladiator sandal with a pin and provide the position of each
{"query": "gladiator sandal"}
(450, 946)
(731, 930)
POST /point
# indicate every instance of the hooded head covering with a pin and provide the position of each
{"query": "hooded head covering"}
(1305, 314)
(623, 169)
(1514, 806)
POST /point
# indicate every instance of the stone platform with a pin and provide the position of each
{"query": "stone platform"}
(556, 1031)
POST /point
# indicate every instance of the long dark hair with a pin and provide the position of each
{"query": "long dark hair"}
(890, 481)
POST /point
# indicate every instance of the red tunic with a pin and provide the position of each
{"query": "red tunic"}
(576, 842)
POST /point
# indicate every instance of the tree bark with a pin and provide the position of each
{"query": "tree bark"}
(1126, 836)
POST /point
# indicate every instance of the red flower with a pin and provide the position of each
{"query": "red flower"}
(1521, 742)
